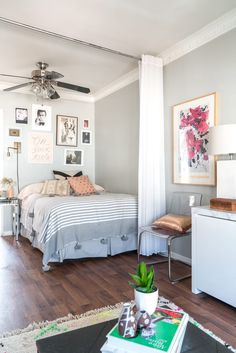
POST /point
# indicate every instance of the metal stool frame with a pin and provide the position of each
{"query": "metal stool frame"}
(169, 238)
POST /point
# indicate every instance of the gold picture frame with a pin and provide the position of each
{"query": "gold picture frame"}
(191, 122)
(14, 132)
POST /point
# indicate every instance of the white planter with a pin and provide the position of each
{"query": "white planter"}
(146, 301)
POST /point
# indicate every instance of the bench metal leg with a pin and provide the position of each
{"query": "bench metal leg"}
(139, 248)
(173, 280)
(169, 259)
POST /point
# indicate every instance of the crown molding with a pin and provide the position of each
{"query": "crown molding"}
(116, 85)
(220, 26)
(64, 95)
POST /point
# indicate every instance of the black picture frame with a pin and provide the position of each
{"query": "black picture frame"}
(21, 115)
(67, 131)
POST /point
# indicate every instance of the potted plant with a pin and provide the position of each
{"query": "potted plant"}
(7, 185)
(145, 291)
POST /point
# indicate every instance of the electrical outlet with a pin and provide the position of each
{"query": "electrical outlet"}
(191, 200)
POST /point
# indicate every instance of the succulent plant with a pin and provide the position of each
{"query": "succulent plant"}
(143, 280)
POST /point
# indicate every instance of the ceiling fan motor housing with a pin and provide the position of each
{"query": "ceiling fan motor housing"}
(40, 73)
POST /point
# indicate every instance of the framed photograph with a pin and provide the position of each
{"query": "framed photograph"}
(21, 115)
(73, 156)
(86, 137)
(14, 132)
(67, 131)
(85, 124)
(191, 122)
(41, 117)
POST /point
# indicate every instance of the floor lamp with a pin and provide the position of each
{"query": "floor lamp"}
(17, 164)
(222, 141)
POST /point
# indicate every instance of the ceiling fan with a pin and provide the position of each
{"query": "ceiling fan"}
(43, 82)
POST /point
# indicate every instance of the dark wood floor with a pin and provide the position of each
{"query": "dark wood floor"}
(27, 294)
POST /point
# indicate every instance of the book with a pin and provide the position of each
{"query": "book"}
(168, 332)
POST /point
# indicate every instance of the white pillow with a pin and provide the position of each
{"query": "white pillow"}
(98, 188)
(30, 189)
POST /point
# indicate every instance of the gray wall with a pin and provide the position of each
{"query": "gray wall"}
(210, 68)
(116, 128)
(30, 173)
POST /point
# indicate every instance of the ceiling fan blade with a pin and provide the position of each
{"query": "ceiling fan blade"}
(18, 86)
(55, 95)
(73, 87)
(27, 78)
(53, 75)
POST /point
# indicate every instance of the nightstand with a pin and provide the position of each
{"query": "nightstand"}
(15, 209)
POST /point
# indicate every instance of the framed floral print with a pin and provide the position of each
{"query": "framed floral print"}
(191, 122)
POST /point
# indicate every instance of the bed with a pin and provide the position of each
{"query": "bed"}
(74, 227)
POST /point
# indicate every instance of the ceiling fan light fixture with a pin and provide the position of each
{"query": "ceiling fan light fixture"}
(36, 89)
(50, 91)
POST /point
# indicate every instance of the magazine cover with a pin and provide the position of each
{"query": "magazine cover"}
(165, 328)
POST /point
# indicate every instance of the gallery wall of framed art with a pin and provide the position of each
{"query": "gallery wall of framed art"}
(31, 125)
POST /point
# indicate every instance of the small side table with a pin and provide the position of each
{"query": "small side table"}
(14, 202)
(169, 236)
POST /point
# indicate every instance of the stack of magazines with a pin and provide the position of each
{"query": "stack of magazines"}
(165, 334)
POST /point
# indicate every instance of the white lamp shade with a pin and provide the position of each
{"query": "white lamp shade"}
(222, 139)
(226, 179)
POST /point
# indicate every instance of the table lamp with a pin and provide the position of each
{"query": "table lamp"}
(222, 141)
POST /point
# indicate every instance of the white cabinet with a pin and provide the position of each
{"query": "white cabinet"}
(214, 253)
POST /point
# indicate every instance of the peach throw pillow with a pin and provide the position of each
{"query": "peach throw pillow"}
(82, 185)
(179, 223)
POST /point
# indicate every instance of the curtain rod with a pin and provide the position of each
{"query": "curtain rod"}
(61, 36)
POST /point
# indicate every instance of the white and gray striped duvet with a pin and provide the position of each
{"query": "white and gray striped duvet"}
(59, 221)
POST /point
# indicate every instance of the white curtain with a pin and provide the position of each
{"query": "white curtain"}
(152, 201)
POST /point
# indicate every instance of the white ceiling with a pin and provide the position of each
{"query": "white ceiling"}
(133, 26)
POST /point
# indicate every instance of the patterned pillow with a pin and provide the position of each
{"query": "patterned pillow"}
(56, 187)
(82, 185)
(63, 176)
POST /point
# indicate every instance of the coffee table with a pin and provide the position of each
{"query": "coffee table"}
(91, 338)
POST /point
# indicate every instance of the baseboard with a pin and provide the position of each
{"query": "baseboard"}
(6, 233)
(182, 258)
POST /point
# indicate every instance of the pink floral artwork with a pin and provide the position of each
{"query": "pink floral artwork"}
(194, 124)
(192, 121)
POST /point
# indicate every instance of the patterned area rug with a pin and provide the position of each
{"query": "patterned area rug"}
(23, 341)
